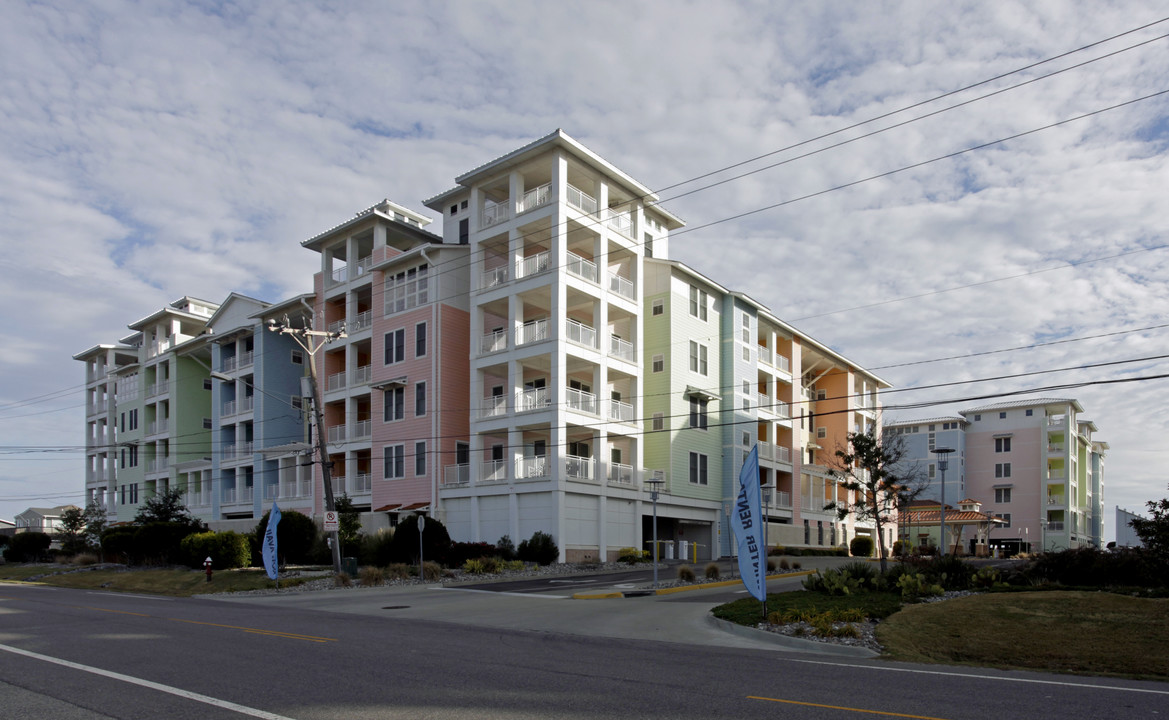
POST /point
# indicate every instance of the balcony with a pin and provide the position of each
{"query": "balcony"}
(534, 198)
(620, 474)
(493, 471)
(581, 334)
(237, 451)
(621, 349)
(157, 427)
(364, 264)
(773, 452)
(1057, 500)
(229, 364)
(1056, 448)
(246, 358)
(340, 275)
(530, 332)
(783, 499)
(337, 434)
(456, 475)
(336, 381)
(360, 483)
(492, 213)
(621, 412)
(336, 326)
(1055, 526)
(228, 496)
(493, 406)
(534, 265)
(362, 374)
(493, 277)
(157, 388)
(493, 342)
(532, 399)
(622, 222)
(621, 286)
(580, 200)
(584, 269)
(531, 467)
(157, 465)
(579, 468)
(768, 404)
(581, 401)
(362, 430)
(362, 321)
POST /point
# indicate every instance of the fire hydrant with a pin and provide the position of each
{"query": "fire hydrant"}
(207, 567)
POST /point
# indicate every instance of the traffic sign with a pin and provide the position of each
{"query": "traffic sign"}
(332, 523)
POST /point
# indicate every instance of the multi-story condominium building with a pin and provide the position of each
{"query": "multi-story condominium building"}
(395, 388)
(101, 420)
(1033, 463)
(918, 440)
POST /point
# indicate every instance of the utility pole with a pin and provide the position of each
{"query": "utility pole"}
(312, 341)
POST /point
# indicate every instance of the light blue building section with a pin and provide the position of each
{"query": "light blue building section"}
(739, 409)
(921, 438)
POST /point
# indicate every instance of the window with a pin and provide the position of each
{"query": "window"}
(747, 387)
(697, 413)
(1002, 495)
(977, 418)
(420, 458)
(819, 532)
(1002, 470)
(823, 395)
(746, 439)
(406, 289)
(297, 357)
(1002, 444)
(464, 231)
(463, 205)
(395, 401)
(420, 340)
(419, 399)
(933, 428)
(1004, 516)
(931, 439)
(698, 302)
(206, 383)
(659, 421)
(297, 402)
(821, 432)
(207, 423)
(649, 245)
(454, 208)
(133, 493)
(1002, 416)
(1030, 412)
(658, 307)
(697, 358)
(698, 469)
(807, 533)
(394, 462)
(933, 471)
(395, 347)
(746, 332)
(659, 363)
(133, 425)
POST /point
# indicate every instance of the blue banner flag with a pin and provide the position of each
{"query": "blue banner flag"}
(746, 522)
(271, 563)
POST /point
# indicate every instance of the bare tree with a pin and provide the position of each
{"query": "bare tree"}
(878, 479)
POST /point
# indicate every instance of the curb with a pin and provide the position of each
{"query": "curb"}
(683, 588)
(791, 643)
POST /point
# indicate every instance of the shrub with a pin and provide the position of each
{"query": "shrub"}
(899, 548)
(1090, 567)
(863, 571)
(342, 579)
(796, 565)
(512, 565)
(915, 586)
(712, 571)
(986, 577)
(833, 582)
(784, 565)
(27, 547)
(376, 548)
(685, 573)
(84, 559)
(474, 567)
(777, 550)
(461, 552)
(431, 570)
(632, 555)
(436, 541)
(770, 565)
(540, 549)
(861, 546)
(295, 535)
(398, 571)
(371, 576)
(949, 571)
(160, 543)
(226, 549)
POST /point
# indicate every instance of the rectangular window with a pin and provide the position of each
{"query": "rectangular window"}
(697, 358)
(393, 462)
(1004, 516)
(746, 387)
(207, 423)
(697, 413)
(395, 347)
(746, 439)
(659, 421)
(1002, 495)
(933, 471)
(649, 245)
(931, 440)
(464, 231)
(420, 458)
(658, 307)
(395, 404)
(819, 532)
(133, 420)
(297, 357)
(698, 469)
(659, 363)
(1030, 412)
(746, 354)
(807, 532)
(821, 433)
(133, 493)
(1002, 416)
(420, 340)
(698, 302)
(206, 383)
(1002, 444)
(1002, 470)
(977, 418)
(419, 399)
(407, 289)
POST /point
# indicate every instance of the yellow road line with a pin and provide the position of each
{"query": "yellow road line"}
(254, 631)
(841, 707)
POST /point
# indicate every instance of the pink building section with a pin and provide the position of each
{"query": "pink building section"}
(1027, 458)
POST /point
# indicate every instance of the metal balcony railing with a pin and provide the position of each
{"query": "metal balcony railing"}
(453, 475)
(581, 401)
(534, 198)
(581, 334)
(622, 349)
(534, 264)
(584, 269)
(580, 468)
(531, 332)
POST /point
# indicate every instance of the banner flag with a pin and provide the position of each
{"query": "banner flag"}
(748, 528)
(271, 563)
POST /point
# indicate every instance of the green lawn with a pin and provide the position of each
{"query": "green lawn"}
(170, 581)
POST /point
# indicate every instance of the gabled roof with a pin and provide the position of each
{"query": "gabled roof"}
(1034, 402)
(385, 210)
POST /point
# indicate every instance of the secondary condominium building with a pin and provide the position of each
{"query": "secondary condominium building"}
(533, 367)
(1036, 464)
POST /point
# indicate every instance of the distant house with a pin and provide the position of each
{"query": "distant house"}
(7, 527)
(46, 520)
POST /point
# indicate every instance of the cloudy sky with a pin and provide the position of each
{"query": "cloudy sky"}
(154, 150)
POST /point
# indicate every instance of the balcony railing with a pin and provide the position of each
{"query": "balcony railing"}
(337, 434)
(622, 286)
(532, 399)
(1056, 448)
(1060, 500)
(492, 406)
(621, 222)
(246, 358)
(534, 198)
(364, 264)
(230, 407)
(620, 411)
(493, 342)
(361, 483)
(340, 274)
(227, 496)
(580, 333)
(229, 364)
(532, 466)
(581, 401)
(156, 389)
(621, 349)
(578, 467)
(362, 374)
(580, 200)
(534, 264)
(492, 213)
(336, 381)
(493, 277)
(783, 499)
(362, 429)
(453, 475)
(493, 471)
(361, 321)
(584, 269)
(155, 465)
(1056, 420)
(531, 332)
(620, 474)
(1055, 526)
(156, 427)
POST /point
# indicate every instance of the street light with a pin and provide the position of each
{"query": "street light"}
(654, 485)
(943, 454)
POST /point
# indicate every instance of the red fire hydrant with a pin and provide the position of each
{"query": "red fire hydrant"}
(207, 567)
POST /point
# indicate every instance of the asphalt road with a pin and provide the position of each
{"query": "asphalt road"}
(424, 653)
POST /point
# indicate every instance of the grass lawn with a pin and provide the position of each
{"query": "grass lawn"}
(170, 581)
(1095, 633)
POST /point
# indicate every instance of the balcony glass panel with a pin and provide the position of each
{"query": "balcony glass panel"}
(533, 399)
(493, 471)
(456, 475)
(493, 277)
(622, 349)
(336, 381)
(581, 201)
(492, 213)
(581, 401)
(532, 466)
(493, 342)
(536, 197)
(585, 269)
(493, 406)
(578, 467)
(580, 333)
(531, 332)
(622, 286)
(620, 411)
(620, 474)
(534, 264)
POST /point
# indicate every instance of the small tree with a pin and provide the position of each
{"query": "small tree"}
(95, 525)
(1154, 533)
(873, 474)
(166, 507)
(349, 522)
(72, 529)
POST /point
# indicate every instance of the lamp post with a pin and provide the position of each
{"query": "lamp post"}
(943, 454)
(654, 485)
